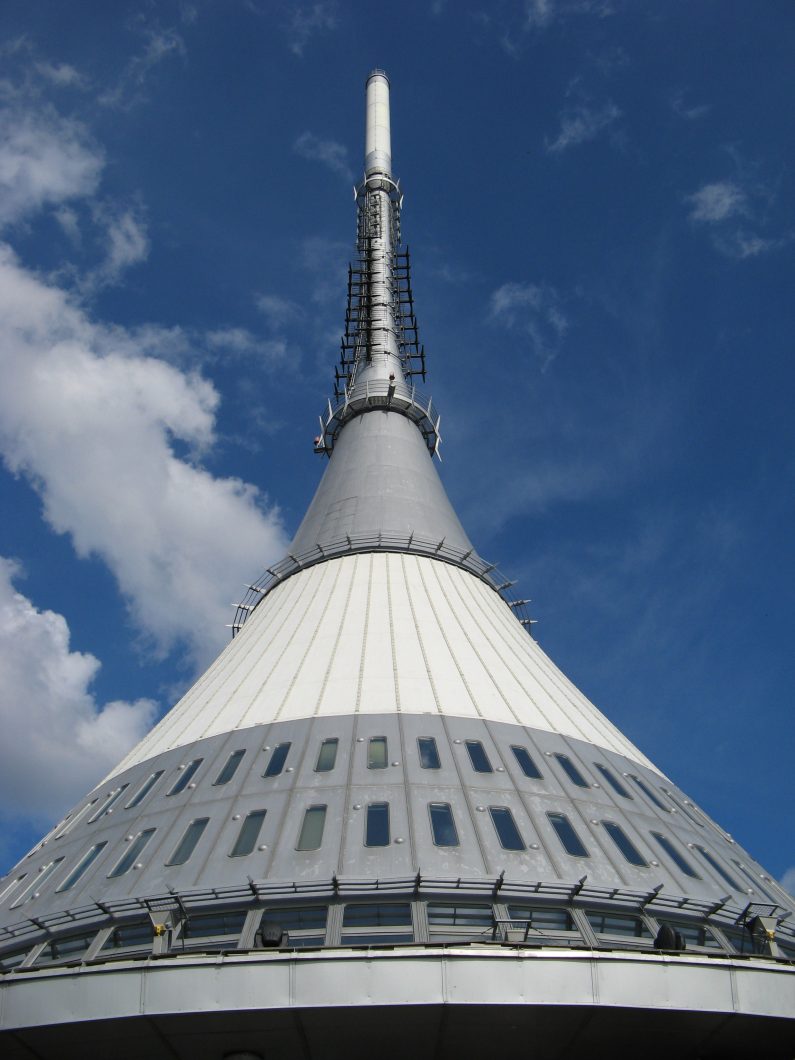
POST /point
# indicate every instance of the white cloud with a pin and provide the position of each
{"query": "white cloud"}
(241, 341)
(278, 311)
(53, 728)
(329, 153)
(718, 201)
(787, 881)
(309, 20)
(45, 160)
(60, 74)
(538, 13)
(582, 124)
(125, 242)
(160, 44)
(689, 111)
(92, 423)
(535, 310)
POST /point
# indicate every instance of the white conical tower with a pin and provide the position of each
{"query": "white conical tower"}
(384, 805)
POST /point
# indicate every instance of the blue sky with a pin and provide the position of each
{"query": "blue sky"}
(599, 205)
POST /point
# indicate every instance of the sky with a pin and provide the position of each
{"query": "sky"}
(599, 204)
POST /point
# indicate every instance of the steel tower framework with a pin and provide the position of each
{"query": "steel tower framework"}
(383, 819)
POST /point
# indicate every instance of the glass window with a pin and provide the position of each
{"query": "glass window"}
(298, 918)
(571, 771)
(429, 755)
(312, 828)
(230, 768)
(678, 859)
(478, 757)
(377, 828)
(278, 758)
(647, 791)
(187, 844)
(185, 777)
(542, 918)
(442, 825)
(617, 924)
(440, 914)
(568, 837)
(690, 816)
(72, 820)
(9, 887)
(380, 914)
(32, 889)
(613, 781)
(625, 844)
(754, 881)
(526, 763)
(135, 848)
(377, 757)
(505, 826)
(108, 804)
(327, 755)
(144, 790)
(70, 948)
(127, 935)
(207, 925)
(249, 834)
(716, 865)
(13, 959)
(82, 867)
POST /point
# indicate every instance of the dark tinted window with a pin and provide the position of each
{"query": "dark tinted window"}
(206, 925)
(144, 790)
(526, 763)
(137, 934)
(82, 867)
(377, 757)
(298, 918)
(507, 832)
(187, 844)
(571, 771)
(624, 844)
(249, 834)
(541, 918)
(230, 768)
(613, 781)
(185, 777)
(442, 825)
(459, 915)
(647, 791)
(478, 757)
(133, 850)
(108, 804)
(678, 859)
(429, 756)
(695, 934)
(617, 924)
(383, 914)
(312, 828)
(376, 832)
(327, 755)
(568, 837)
(70, 948)
(716, 865)
(278, 758)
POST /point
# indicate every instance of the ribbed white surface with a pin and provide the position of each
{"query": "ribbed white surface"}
(382, 632)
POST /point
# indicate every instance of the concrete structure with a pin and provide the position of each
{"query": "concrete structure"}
(383, 820)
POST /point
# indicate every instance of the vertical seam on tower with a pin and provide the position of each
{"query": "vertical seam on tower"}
(338, 637)
(428, 671)
(445, 638)
(363, 658)
(392, 644)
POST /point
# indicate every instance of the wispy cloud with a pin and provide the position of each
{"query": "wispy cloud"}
(159, 45)
(582, 123)
(535, 311)
(718, 201)
(689, 111)
(308, 21)
(242, 342)
(61, 74)
(125, 241)
(730, 212)
(329, 153)
(278, 311)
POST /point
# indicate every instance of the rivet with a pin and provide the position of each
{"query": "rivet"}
(480, 809)
(181, 767)
(548, 754)
(594, 821)
(653, 862)
(108, 812)
(456, 741)
(500, 769)
(35, 894)
(191, 785)
(264, 846)
(360, 739)
(128, 839)
(357, 806)
(596, 785)
(534, 846)
(690, 846)
(396, 763)
(289, 769)
(138, 865)
(399, 840)
(235, 816)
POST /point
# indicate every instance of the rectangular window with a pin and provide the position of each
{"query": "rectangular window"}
(249, 834)
(690, 816)
(694, 934)
(569, 839)
(127, 936)
(212, 925)
(542, 918)
(135, 848)
(312, 828)
(526, 763)
(377, 828)
(613, 781)
(70, 948)
(505, 826)
(478, 757)
(187, 844)
(185, 777)
(278, 758)
(33, 888)
(82, 867)
(377, 914)
(377, 757)
(647, 791)
(678, 859)
(70, 822)
(9, 887)
(754, 881)
(298, 918)
(571, 771)
(144, 790)
(429, 755)
(442, 825)
(625, 844)
(716, 865)
(230, 768)
(441, 914)
(106, 807)
(327, 755)
(617, 924)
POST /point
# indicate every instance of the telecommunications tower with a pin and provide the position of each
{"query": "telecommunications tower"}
(383, 821)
